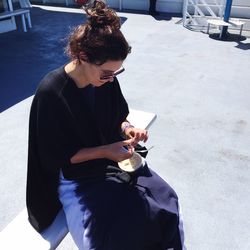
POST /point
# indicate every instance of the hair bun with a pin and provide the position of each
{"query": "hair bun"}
(102, 17)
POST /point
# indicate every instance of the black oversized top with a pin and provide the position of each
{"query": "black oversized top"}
(61, 123)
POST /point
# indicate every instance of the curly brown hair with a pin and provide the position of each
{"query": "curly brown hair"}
(99, 39)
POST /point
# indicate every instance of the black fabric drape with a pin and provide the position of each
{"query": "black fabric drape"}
(61, 123)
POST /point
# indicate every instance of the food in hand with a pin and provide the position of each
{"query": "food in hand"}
(131, 164)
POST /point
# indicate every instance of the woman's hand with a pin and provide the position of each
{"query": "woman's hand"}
(119, 151)
(137, 134)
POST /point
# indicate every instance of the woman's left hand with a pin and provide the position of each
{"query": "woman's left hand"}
(137, 134)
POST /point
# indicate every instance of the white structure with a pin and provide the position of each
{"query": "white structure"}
(8, 23)
(240, 8)
(173, 6)
(8, 15)
(196, 12)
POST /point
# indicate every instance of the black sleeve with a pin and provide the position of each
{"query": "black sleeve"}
(55, 134)
(124, 110)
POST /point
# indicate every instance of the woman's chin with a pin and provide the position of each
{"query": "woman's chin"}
(101, 82)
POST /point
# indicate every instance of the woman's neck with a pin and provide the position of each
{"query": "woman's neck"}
(76, 72)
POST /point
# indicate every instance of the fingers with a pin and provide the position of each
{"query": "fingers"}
(128, 145)
(126, 153)
(129, 153)
(139, 135)
(142, 135)
(127, 142)
(145, 136)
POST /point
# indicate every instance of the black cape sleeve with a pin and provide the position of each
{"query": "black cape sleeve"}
(52, 142)
(55, 133)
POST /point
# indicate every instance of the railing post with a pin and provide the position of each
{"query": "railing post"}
(184, 11)
(226, 17)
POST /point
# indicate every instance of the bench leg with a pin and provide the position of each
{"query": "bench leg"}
(24, 23)
(241, 27)
(29, 20)
(208, 27)
(221, 29)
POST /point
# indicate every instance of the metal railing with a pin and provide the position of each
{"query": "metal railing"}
(196, 12)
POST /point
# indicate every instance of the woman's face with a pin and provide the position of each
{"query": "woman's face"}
(100, 74)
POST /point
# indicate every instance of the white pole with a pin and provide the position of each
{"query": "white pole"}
(184, 11)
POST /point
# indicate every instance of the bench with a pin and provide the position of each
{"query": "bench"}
(221, 23)
(19, 234)
(24, 13)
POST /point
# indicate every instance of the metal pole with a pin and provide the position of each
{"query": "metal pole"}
(226, 17)
(184, 12)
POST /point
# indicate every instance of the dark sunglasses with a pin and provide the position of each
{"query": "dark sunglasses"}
(113, 75)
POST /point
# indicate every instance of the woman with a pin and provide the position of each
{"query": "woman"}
(76, 139)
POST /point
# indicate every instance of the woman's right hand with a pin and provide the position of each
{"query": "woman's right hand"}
(119, 151)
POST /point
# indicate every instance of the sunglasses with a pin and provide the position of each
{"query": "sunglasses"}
(119, 71)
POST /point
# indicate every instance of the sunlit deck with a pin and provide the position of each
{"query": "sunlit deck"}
(198, 87)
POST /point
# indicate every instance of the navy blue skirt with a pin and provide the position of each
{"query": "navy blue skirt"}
(120, 212)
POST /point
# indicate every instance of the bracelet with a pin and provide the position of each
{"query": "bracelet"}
(126, 125)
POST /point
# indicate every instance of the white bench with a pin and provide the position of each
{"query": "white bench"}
(19, 234)
(24, 13)
(236, 22)
(221, 23)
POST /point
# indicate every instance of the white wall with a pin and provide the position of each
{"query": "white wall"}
(173, 6)
(241, 8)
